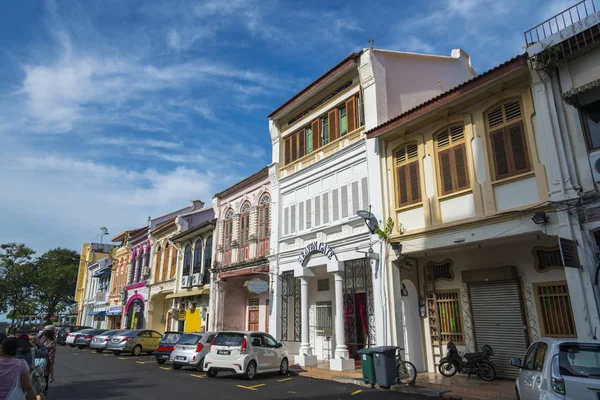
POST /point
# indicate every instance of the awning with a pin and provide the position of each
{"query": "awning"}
(97, 312)
(570, 96)
(101, 272)
(187, 294)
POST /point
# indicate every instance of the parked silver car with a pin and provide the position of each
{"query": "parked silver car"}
(134, 341)
(84, 341)
(190, 350)
(99, 342)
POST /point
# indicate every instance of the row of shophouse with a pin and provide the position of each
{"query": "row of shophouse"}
(491, 182)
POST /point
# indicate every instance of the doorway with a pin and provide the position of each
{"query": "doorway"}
(253, 315)
(359, 313)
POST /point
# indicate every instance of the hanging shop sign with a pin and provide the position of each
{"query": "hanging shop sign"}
(256, 286)
(114, 310)
(181, 315)
(315, 247)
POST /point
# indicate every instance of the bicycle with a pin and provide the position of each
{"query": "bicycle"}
(407, 373)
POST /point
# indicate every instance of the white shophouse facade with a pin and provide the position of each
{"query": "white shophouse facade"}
(96, 295)
(327, 282)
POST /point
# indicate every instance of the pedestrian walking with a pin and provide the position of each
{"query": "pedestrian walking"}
(48, 341)
(15, 382)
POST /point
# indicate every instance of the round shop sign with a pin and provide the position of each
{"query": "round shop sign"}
(256, 286)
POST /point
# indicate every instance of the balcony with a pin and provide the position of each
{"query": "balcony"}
(574, 29)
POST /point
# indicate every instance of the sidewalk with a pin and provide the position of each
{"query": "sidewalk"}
(428, 383)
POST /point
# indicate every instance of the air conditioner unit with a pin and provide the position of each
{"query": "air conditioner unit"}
(195, 279)
(185, 281)
(595, 164)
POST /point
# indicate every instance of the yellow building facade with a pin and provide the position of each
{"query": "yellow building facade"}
(90, 253)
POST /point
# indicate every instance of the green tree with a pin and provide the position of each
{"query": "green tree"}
(17, 275)
(56, 279)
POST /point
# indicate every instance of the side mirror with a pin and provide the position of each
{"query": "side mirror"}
(516, 362)
(279, 345)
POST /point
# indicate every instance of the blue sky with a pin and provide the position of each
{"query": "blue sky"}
(113, 111)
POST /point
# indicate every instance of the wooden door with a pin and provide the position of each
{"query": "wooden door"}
(253, 315)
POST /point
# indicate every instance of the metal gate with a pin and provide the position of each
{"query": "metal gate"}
(499, 322)
(358, 281)
(290, 298)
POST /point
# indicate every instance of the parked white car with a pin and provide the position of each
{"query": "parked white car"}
(565, 369)
(245, 353)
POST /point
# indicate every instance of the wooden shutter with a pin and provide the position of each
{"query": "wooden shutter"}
(415, 183)
(351, 114)
(402, 186)
(518, 148)
(286, 150)
(301, 142)
(316, 134)
(333, 124)
(294, 140)
(446, 168)
(460, 167)
(501, 165)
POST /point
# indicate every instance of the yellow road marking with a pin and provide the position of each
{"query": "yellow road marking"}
(251, 387)
(197, 376)
(290, 392)
(165, 368)
(356, 392)
(140, 362)
(283, 380)
(120, 358)
(106, 355)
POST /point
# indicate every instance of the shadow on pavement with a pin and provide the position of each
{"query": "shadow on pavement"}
(96, 389)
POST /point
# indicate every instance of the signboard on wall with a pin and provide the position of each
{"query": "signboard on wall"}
(256, 286)
(181, 315)
(315, 247)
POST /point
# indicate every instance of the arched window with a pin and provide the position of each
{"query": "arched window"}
(264, 216)
(187, 259)
(158, 264)
(207, 260)
(138, 265)
(453, 173)
(198, 257)
(173, 262)
(506, 129)
(244, 230)
(408, 175)
(228, 229)
(165, 263)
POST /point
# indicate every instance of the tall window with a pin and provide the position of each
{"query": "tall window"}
(173, 262)
(309, 139)
(228, 229)
(408, 175)
(198, 257)
(554, 309)
(158, 264)
(591, 116)
(187, 256)
(508, 142)
(244, 231)
(207, 260)
(325, 131)
(452, 160)
(343, 121)
(264, 227)
(165, 262)
(138, 265)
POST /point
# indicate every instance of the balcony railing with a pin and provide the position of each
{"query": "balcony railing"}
(560, 21)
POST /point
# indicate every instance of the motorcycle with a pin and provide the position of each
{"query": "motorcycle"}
(478, 363)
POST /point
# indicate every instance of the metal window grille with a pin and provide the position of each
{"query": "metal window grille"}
(451, 322)
(555, 310)
(290, 307)
(548, 258)
(324, 318)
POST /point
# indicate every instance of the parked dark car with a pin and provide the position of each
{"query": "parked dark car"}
(166, 346)
(63, 333)
(84, 340)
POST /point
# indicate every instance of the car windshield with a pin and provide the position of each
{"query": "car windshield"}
(170, 337)
(580, 359)
(189, 339)
(129, 333)
(228, 339)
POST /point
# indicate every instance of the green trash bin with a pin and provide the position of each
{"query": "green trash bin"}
(368, 366)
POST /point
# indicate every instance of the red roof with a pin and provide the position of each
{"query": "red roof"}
(457, 91)
(341, 65)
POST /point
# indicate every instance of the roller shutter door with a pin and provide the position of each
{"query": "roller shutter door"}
(498, 322)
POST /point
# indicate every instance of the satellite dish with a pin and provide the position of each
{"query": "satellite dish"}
(370, 220)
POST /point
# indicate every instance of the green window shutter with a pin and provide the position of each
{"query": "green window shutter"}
(309, 141)
(325, 131)
(343, 122)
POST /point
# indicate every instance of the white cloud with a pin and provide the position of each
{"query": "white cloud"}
(122, 141)
(416, 45)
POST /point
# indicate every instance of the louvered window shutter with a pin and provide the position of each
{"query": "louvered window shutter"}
(293, 218)
(460, 166)
(301, 216)
(325, 208)
(500, 154)
(316, 134)
(351, 113)
(365, 193)
(415, 183)
(301, 143)
(335, 204)
(344, 201)
(286, 221)
(294, 140)
(333, 125)
(402, 186)
(308, 214)
(287, 150)
(317, 211)
(445, 161)
(355, 199)
(518, 147)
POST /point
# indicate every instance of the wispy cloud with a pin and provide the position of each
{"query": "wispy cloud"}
(123, 141)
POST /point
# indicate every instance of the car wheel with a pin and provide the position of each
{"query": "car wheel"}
(117, 353)
(81, 347)
(137, 349)
(251, 371)
(63, 344)
(99, 350)
(284, 367)
(149, 353)
(175, 366)
(72, 345)
(161, 361)
(200, 366)
(212, 373)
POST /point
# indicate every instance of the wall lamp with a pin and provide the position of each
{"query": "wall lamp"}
(540, 217)
(397, 247)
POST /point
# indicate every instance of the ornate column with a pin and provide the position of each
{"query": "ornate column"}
(340, 361)
(305, 358)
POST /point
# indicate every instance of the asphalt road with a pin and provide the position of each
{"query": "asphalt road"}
(86, 375)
